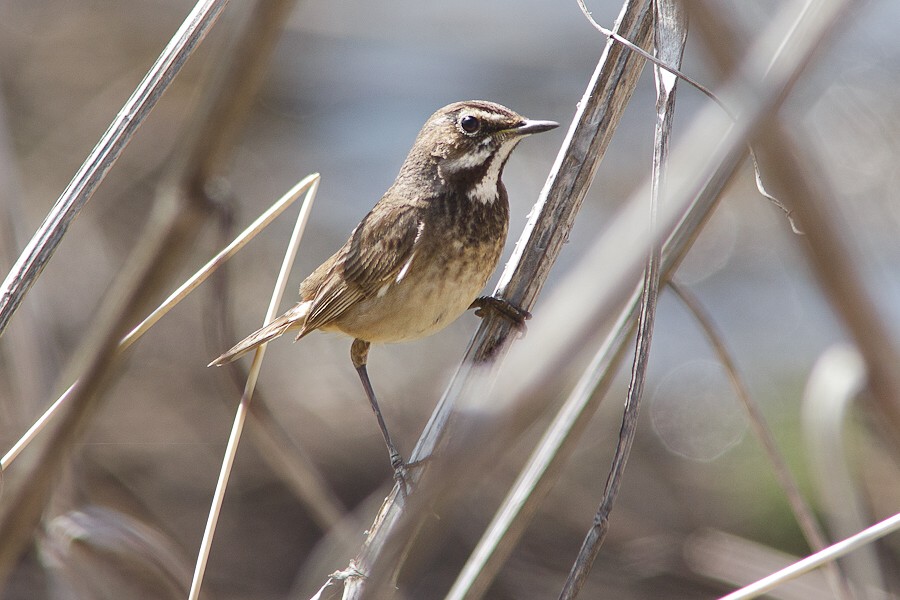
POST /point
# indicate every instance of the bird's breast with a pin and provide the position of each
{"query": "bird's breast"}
(445, 275)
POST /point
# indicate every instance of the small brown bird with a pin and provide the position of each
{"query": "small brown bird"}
(420, 257)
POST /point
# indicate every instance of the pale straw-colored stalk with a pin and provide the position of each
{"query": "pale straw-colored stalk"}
(263, 221)
(243, 408)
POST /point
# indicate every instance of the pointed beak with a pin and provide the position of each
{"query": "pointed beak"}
(528, 127)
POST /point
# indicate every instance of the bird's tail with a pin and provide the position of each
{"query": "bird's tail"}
(295, 318)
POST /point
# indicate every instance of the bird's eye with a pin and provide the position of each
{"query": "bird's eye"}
(470, 124)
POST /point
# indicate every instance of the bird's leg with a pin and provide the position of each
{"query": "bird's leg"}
(359, 353)
(505, 308)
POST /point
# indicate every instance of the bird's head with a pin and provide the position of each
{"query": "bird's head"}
(469, 143)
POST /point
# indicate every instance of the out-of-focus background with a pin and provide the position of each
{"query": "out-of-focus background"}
(349, 87)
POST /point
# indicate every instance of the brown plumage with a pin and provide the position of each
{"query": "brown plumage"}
(420, 257)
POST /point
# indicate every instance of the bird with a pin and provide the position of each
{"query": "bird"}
(420, 257)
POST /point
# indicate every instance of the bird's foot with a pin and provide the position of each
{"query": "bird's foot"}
(505, 308)
(401, 471)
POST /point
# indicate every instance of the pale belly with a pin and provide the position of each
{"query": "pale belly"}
(424, 302)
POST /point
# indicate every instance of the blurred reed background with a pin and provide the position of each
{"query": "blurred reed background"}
(347, 91)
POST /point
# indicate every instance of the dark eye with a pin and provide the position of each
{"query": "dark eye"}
(470, 124)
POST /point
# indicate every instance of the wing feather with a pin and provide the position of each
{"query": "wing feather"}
(380, 248)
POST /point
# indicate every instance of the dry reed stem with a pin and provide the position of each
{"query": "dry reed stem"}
(180, 208)
(832, 390)
(244, 406)
(814, 561)
(43, 244)
(670, 36)
(172, 301)
(803, 513)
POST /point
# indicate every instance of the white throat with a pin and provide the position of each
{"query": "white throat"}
(486, 191)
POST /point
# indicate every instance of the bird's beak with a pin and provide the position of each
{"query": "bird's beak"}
(528, 127)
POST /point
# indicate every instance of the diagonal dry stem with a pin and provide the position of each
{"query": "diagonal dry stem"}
(104, 155)
(803, 513)
(181, 207)
(244, 406)
(174, 298)
(670, 36)
(814, 561)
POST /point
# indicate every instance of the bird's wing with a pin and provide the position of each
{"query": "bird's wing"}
(378, 254)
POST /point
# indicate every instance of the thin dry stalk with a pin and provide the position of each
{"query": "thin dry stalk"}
(701, 164)
(157, 252)
(104, 155)
(244, 406)
(814, 561)
(296, 468)
(174, 298)
(544, 465)
(659, 62)
(180, 209)
(832, 390)
(803, 513)
(670, 36)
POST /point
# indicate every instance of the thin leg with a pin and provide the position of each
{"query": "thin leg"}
(359, 353)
